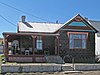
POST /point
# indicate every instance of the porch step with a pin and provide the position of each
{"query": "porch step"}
(67, 67)
(54, 59)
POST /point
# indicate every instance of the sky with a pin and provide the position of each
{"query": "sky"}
(46, 11)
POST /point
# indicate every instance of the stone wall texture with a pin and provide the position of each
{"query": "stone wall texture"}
(30, 68)
(5, 68)
(79, 55)
(88, 67)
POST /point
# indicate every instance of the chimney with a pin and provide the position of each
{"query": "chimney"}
(57, 21)
(23, 18)
(86, 18)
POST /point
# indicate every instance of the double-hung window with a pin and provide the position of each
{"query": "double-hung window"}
(39, 43)
(77, 40)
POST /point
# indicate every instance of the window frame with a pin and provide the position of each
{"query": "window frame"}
(74, 23)
(39, 42)
(73, 33)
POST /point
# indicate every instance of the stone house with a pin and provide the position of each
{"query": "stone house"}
(35, 41)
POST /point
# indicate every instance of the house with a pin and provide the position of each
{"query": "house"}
(1, 45)
(35, 41)
(1, 41)
(96, 24)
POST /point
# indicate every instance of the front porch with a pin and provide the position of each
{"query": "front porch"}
(30, 47)
(26, 58)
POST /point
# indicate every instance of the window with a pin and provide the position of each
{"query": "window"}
(39, 43)
(77, 40)
(77, 24)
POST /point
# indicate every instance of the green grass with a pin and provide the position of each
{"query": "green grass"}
(1, 57)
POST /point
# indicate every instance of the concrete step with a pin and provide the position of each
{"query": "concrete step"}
(72, 72)
(54, 59)
(67, 68)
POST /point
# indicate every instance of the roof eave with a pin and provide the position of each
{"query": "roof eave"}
(33, 34)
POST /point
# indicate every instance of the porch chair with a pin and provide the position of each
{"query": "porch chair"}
(26, 52)
(46, 52)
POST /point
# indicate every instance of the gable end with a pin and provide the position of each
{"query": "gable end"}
(78, 23)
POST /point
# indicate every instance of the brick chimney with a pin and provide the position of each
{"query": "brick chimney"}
(23, 18)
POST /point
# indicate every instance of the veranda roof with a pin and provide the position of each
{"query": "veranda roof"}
(32, 34)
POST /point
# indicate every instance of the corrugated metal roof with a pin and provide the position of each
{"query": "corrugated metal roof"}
(38, 27)
(49, 27)
(96, 25)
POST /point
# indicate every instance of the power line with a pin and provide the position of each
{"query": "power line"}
(23, 11)
(7, 20)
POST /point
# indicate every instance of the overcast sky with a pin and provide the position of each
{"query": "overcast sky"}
(45, 11)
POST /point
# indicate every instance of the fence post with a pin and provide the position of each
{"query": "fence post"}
(73, 63)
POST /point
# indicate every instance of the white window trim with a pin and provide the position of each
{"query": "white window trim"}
(81, 39)
(39, 43)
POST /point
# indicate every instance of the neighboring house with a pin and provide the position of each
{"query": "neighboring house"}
(1, 45)
(1, 41)
(96, 24)
(34, 41)
(1, 49)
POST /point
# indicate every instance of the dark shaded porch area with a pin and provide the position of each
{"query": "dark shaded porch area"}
(31, 46)
(18, 44)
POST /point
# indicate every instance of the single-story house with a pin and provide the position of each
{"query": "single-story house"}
(35, 41)
(1, 45)
(1, 41)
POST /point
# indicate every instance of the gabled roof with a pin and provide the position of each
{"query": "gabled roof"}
(85, 20)
(95, 24)
(38, 27)
(42, 27)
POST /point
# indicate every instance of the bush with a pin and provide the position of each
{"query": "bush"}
(2, 57)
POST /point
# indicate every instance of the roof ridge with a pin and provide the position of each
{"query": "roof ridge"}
(44, 22)
(94, 20)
